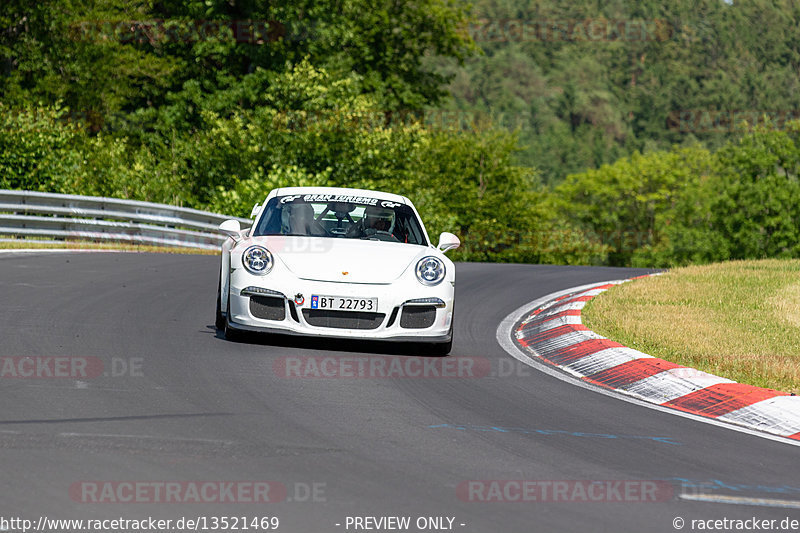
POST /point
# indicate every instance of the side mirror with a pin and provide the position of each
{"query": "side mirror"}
(231, 228)
(254, 212)
(448, 241)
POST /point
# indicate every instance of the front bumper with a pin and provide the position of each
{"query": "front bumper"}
(405, 312)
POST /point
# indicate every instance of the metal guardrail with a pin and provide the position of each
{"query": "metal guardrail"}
(73, 217)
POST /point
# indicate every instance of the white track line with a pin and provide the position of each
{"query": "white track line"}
(739, 500)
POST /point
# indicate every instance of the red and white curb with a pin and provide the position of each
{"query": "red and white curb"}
(550, 331)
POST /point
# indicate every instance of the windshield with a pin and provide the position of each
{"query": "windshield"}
(340, 216)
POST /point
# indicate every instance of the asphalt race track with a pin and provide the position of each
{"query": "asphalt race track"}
(179, 403)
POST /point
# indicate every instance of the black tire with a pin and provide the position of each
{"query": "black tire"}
(442, 348)
(230, 333)
(219, 321)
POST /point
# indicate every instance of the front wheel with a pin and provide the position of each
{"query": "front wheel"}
(441, 348)
(230, 333)
(219, 321)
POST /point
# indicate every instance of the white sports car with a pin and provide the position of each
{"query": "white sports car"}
(334, 262)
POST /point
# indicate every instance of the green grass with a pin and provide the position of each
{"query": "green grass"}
(77, 245)
(739, 320)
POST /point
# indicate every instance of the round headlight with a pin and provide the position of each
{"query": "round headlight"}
(257, 260)
(430, 271)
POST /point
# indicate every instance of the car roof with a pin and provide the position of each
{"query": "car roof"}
(285, 191)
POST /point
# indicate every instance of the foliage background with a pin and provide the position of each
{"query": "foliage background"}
(548, 148)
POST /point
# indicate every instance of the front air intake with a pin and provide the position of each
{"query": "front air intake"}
(324, 318)
(268, 307)
(417, 317)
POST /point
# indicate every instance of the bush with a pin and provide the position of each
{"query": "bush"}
(630, 205)
(38, 149)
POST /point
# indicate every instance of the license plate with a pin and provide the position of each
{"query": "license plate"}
(343, 303)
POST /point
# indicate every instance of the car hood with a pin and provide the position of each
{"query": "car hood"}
(344, 260)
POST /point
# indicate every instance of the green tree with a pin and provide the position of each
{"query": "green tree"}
(38, 149)
(626, 205)
(757, 205)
